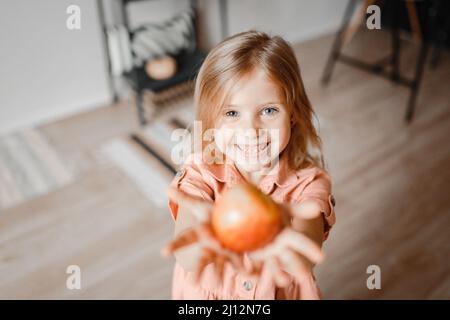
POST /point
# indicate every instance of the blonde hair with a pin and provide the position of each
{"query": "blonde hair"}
(236, 57)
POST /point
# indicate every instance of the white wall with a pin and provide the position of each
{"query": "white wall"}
(46, 70)
(296, 20)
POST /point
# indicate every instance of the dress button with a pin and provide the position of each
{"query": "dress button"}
(248, 285)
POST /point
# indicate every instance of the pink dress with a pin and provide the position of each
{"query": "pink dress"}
(208, 181)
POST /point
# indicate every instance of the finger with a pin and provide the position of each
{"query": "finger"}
(182, 240)
(250, 267)
(199, 207)
(295, 264)
(235, 259)
(283, 277)
(220, 266)
(308, 209)
(303, 245)
(207, 238)
(274, 266)
(263, 253)
(204, 260)
(255, 268)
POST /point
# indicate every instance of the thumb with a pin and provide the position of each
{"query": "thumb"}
(197, 206)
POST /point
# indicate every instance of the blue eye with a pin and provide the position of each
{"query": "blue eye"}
(231, 113)
(269, 111)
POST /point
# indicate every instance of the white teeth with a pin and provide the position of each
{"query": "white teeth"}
(248, 149)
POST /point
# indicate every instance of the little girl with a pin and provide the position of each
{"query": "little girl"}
(257, 120)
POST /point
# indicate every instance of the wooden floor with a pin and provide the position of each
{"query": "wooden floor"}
(391, 182)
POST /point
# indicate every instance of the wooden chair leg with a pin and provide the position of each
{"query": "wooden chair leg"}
(416, 82)
(337, 44)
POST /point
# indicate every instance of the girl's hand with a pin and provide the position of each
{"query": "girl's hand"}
(211, 249)
(291, 250)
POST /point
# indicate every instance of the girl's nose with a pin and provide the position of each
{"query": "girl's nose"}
(251, 122)
(250, 128)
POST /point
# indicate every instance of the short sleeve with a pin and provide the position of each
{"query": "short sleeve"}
(317, 187)
(189, 179)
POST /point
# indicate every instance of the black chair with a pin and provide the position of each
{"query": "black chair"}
(431, 17)
(188, 64)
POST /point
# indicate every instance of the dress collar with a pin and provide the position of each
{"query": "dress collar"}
(280, 174)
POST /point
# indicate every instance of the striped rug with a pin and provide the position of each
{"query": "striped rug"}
(145, 156)
(29, 167)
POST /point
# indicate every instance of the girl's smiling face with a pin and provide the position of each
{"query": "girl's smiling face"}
(254, 126)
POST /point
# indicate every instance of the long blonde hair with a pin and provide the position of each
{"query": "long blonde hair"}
(239, 55)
